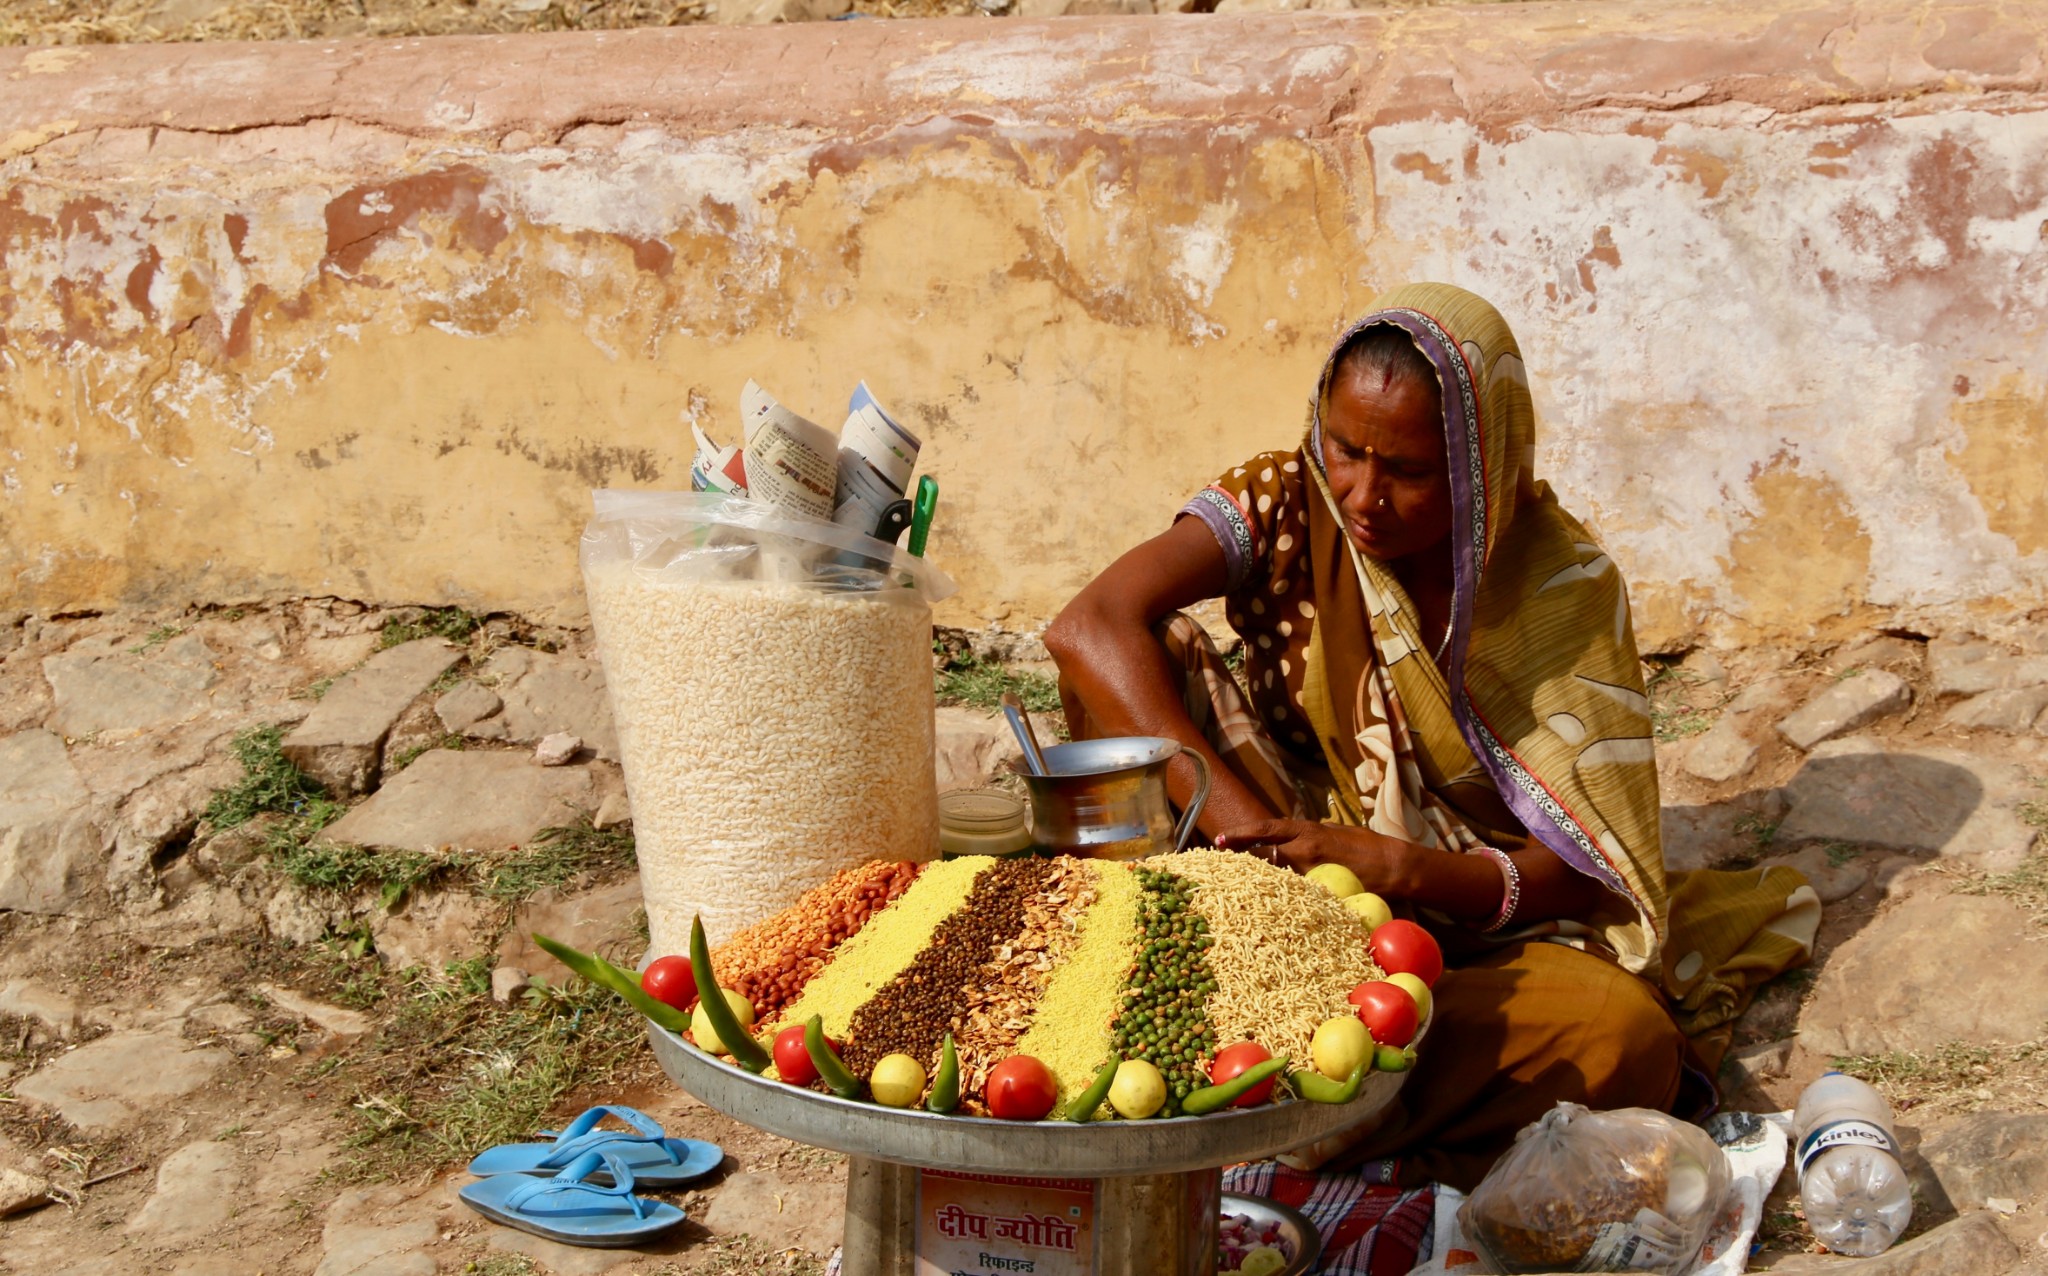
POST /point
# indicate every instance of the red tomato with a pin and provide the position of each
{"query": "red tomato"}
(668, 979)
(792, 1061)
(1387, 1011)
(1019, 1089)
(1399, 946)
(1235, 1059)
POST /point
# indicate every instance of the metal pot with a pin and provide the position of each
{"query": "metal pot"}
(1107, 798)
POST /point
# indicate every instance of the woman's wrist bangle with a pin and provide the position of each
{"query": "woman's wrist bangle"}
(1511, 890)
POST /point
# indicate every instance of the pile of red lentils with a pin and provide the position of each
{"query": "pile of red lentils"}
(770, 962)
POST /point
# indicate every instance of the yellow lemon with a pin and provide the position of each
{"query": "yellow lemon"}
(700, 1024)
(1340, 1045)
(1371, 909)
(1414, 987)
(1138, 1090)
(897, 1081)
(1336, 879)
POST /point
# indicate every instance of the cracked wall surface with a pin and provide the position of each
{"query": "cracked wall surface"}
(370, 318)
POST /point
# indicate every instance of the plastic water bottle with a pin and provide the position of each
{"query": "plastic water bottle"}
(1855, 1191)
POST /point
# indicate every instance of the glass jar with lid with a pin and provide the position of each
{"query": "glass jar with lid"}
(982, 822)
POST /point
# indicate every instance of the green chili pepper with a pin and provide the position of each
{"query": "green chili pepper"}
(1317, 1088)
(1088, 1100)
(746, 1051)
(1393, 1058)
(945, 1093)
(1211, 1097)
(831, 1070)
(605, 975)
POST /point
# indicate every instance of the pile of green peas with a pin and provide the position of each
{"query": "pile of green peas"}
(1162, 1018)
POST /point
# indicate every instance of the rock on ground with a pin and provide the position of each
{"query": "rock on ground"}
(1722, 753)
(197, 1190)
(466, 706)
(341, 742)
(558, 749)
(1971, 1245)
(762, 12)
(32, 1000)
(106, 1085)
(545, 693)
(331, 1019)
(470, 801)
(1830, 881)
(2014, 711)
(1966, 668)
(1938, 968)
(973, 747)
(1753, 1065)
(1985, 1155)
(761, 1204)
(370, 1232)
(1850, 704)
(432, 930)
(1939, 801)
(51, 853)
(101, 687)
(585, 920)
(1699, 836)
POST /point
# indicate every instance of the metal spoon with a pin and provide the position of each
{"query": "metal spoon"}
(1020, 722)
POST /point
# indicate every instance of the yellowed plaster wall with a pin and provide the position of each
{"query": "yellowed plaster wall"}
(371, 320)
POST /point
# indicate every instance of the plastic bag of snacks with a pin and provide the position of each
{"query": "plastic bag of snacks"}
(771, 679)
(1583, 1191)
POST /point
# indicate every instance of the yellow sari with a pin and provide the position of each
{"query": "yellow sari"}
(1541, 699)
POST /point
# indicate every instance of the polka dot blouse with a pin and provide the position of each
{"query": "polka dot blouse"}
(1258, 513)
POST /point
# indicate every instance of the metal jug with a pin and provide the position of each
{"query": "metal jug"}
(1106, 799)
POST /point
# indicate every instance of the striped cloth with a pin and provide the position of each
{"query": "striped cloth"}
(1367, 1230)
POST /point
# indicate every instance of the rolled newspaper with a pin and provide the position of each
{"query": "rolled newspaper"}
(790, 462)
(876, 459)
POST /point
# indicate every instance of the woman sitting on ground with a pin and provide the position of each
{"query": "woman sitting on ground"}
(1444, 697)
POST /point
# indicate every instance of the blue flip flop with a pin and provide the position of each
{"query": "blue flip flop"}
(655, 1159)
(571, 1209)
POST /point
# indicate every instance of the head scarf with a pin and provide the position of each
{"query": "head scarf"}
(1541, 700)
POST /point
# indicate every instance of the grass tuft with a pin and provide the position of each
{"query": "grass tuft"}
(1673, 713)
(1955, 1075)
(452, 623)
(406, 757)
(980, 684)
(450, 1073)
(556, 857)
(156, 637)
(2027, 885)
(1760, 831)
(270, 784)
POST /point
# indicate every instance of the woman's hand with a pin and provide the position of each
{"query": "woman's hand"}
(1385, 865)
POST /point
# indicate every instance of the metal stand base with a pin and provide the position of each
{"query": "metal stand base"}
(1141, 1225)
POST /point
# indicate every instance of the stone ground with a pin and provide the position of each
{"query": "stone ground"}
(291, 1049)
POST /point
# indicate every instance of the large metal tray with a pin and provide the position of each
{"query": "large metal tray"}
(983, 1145)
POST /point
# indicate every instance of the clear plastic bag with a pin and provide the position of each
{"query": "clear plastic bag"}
(701, 537)
(1583, 1191)
(771, 679)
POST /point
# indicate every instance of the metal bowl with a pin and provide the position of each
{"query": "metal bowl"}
(983, 1145)
(1298, 1231)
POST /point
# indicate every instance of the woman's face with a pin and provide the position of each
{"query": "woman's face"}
(1383, 447)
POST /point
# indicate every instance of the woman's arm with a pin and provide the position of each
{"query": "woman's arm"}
(1469, 887)
(1112, 661)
